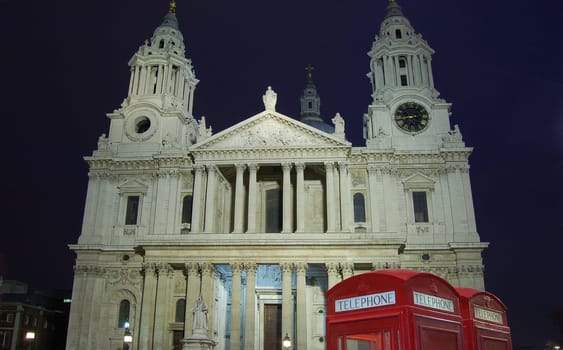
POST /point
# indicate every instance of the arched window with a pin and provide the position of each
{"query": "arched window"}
(161, 44)
(398, 34)
(180, 310)
(187, 209)
(124, 310)
(359, 208)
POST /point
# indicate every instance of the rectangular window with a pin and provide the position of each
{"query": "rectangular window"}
(132, 210)
(420, 206)
(404, 80)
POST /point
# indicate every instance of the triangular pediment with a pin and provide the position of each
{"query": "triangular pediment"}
(133, 186)
(418, 181)
(270, 130)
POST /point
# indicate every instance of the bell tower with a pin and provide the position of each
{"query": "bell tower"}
(157, 114)
(405, 113)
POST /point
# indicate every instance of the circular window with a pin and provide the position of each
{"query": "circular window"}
(142, 124)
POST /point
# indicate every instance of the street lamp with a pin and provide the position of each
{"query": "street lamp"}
(29, 338)
(286, 342)
(127, 337)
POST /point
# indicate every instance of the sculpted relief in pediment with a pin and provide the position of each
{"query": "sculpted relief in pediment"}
(268, 133)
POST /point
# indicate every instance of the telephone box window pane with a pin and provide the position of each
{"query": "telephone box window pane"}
(132, 210)
(420, 206)
(359, 208)
(124, 308)
(187, 210)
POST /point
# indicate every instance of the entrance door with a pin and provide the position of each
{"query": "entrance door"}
(272, 326)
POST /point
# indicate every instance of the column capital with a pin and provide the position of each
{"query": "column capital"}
(236, 267)
(198, 167)
(191, 269)
(329, 165)
(240, 167)
(286, 267)
(207, 268)
(286, 166)
(251, 267)
(332, 267)
(253, 167)
(300, 166)
(211, 168)
(301, 267)
(342, 165)
(149, 269)
(165, 270)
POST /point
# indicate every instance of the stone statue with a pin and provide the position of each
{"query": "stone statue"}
(270, 99)
(338, 122)
(200, 314)
(103, 143)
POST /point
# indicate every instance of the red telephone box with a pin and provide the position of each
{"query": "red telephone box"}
(394, 310)
(484, 320)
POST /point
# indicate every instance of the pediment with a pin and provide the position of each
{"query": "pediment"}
(270, 130)
(133, 186)
(418, 181)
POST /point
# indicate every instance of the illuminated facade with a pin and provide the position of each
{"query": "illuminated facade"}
(263, 217)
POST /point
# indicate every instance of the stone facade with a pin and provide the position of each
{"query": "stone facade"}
(269, 213)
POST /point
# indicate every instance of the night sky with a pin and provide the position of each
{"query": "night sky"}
(63, 66)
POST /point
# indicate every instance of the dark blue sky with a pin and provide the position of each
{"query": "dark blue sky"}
(63, 65)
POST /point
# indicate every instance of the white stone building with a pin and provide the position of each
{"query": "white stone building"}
(263, 217)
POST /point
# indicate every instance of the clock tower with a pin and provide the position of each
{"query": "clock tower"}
(405, 113)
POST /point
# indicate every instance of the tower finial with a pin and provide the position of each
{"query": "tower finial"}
(309, 72)
(172, 6)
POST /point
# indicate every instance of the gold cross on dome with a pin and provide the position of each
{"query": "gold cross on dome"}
(309, 72)
(172, 7)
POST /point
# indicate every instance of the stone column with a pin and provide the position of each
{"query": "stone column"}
(430, 76)
(287, 299)
(239, 199)
(147, 307)
(236, 269)
(332, 273)
(252, 198)
(210, 200)
(374, 198)
(344, 197)
(198, 204)
(163, 300)
(300, 195)
(287, 224)
(410, 70)
(250, 306)
(396, 70)
(330, 209)
(136, 81)
(207, 290)
(302, 340)
(347, 270)
(192, 293)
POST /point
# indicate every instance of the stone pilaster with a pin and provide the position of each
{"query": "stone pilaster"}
(330, 199)
(163, 300)
(301, 327)
(347, 270)
(207, 290)
(192, 293)
(236, 269)
(333, 273)
(148, 307)
(287, 299)
(250, 306)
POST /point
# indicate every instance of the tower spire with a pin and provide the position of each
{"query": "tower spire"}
(172, 6)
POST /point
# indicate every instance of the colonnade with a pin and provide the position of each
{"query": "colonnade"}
(338, 213)
(419, 68)
(200, 277)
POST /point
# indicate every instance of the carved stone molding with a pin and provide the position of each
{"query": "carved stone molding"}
(91, 270)
(251, 267)
(237, 267)
(124, 276)
(286, 267)
(301, 268)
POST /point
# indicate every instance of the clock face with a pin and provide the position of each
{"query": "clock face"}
(411, 117)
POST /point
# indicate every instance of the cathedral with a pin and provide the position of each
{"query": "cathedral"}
(235, 236)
